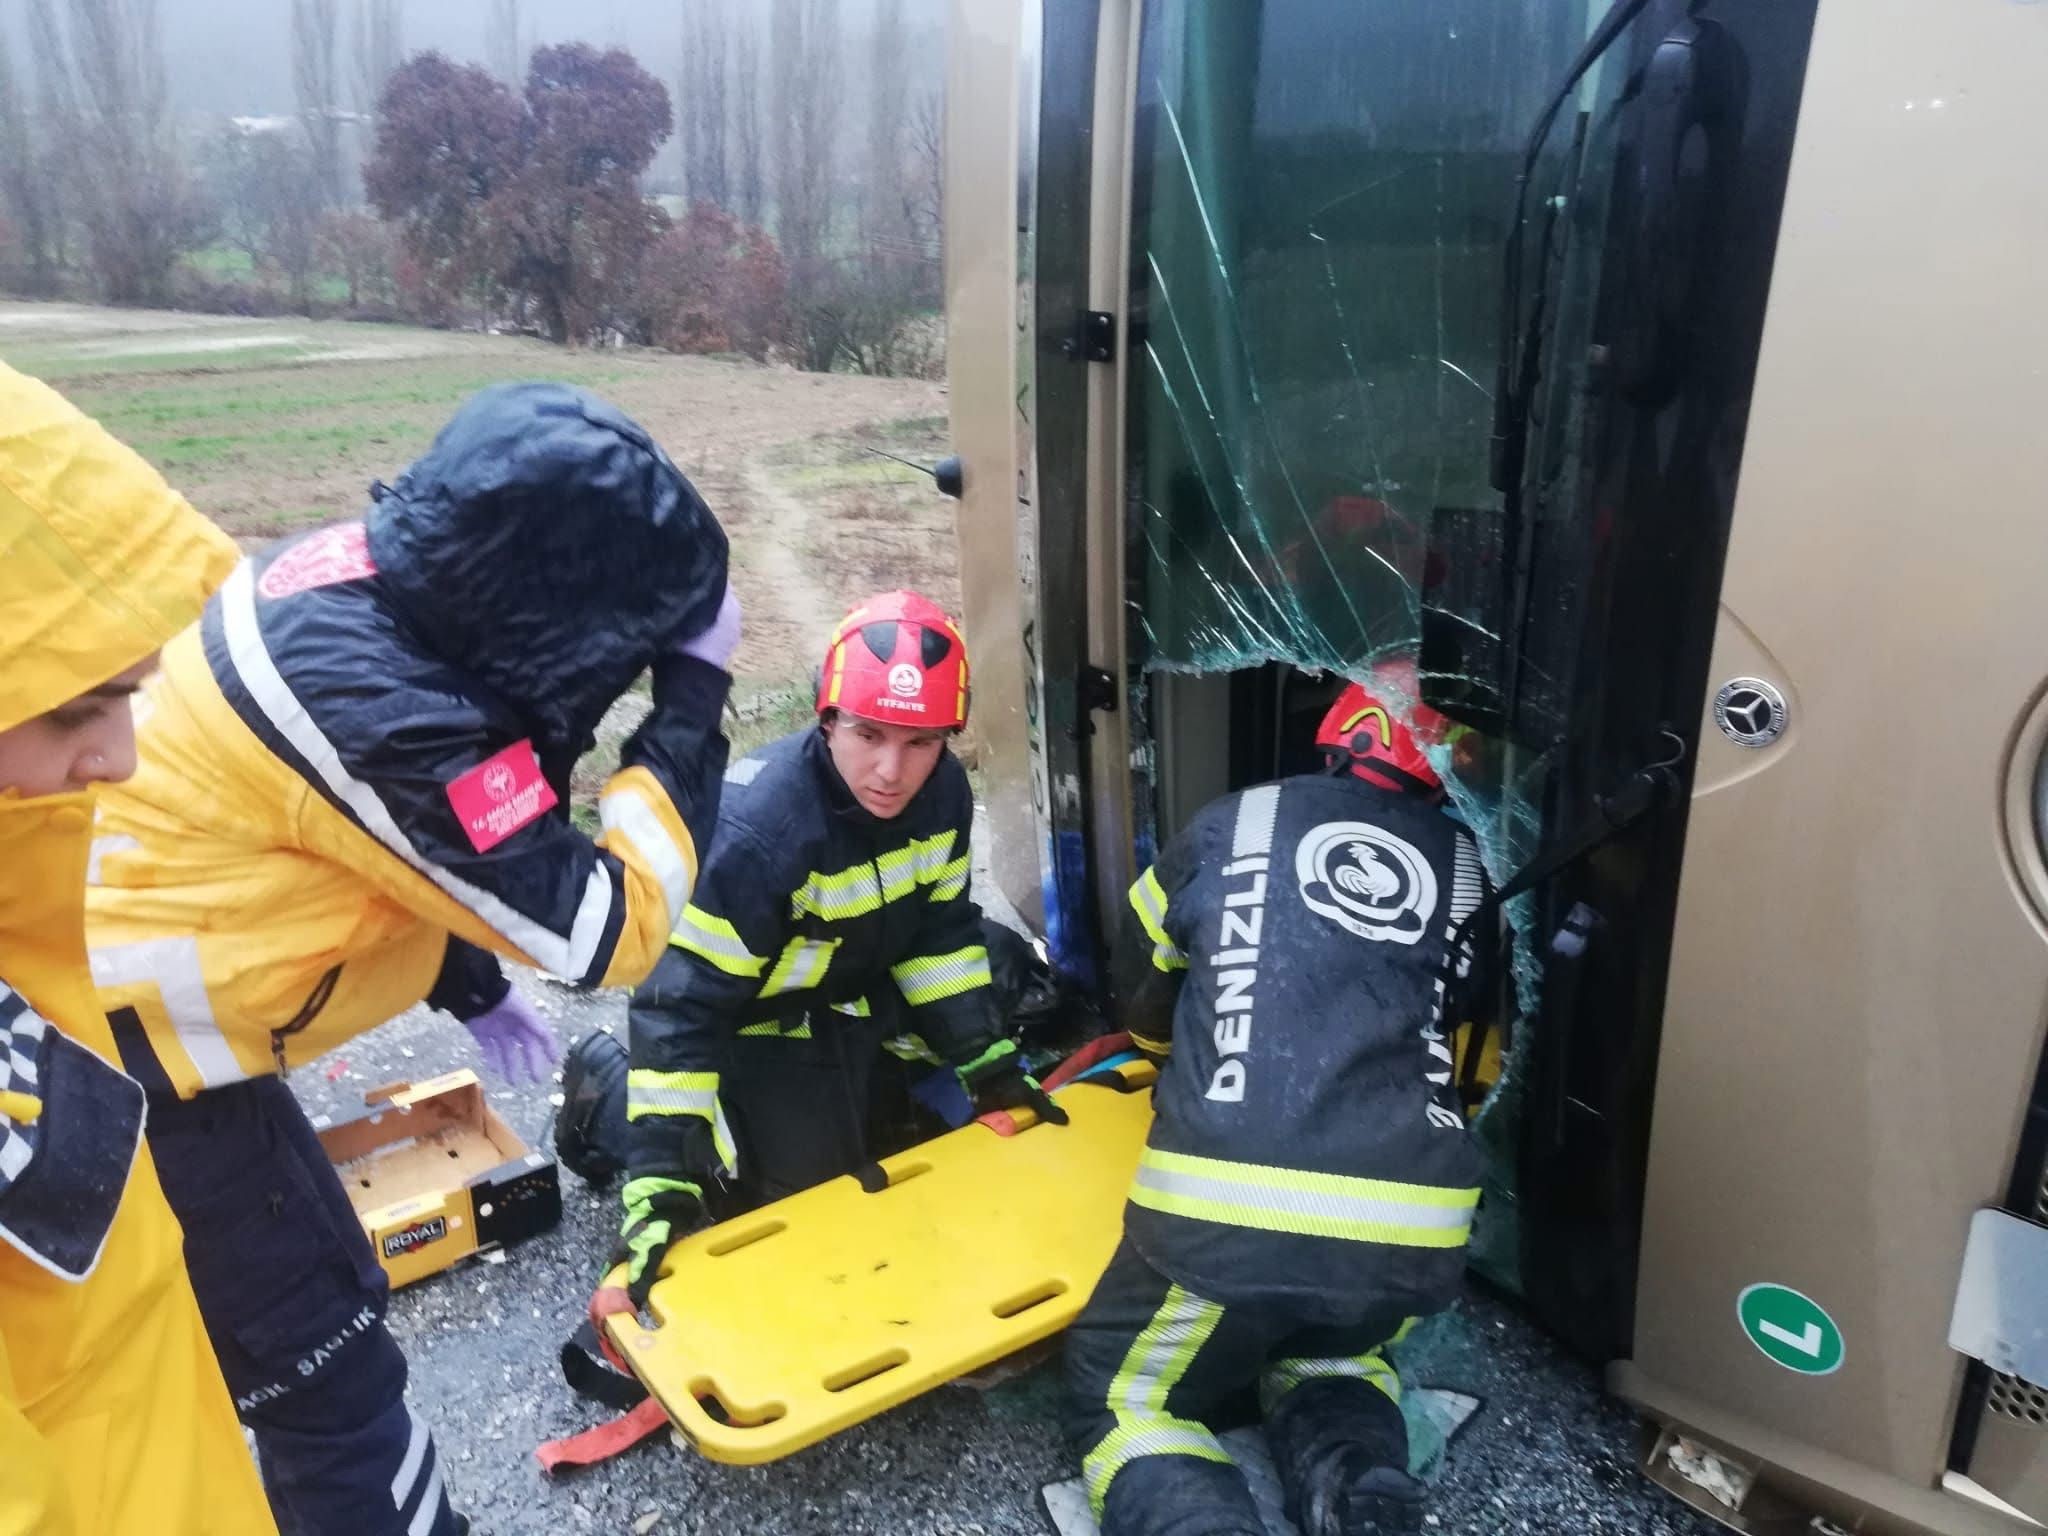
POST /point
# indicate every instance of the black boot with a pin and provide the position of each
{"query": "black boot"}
(1341, 1449)
(590, 1127)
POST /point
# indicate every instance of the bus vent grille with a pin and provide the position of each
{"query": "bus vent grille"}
(2015, 1399)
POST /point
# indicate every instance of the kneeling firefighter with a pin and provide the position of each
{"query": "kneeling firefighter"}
(1308, 1185)
(831, 927)
(353, 790)
(114, 1420)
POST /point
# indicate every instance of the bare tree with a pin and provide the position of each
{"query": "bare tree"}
(316, 81)
(136, 203)
(57, 114)
(380, 44)
(927, 206)
(883, 196)
(22, 191)
(749, 191)
(504, 46)
(701, 97)
(805, 107)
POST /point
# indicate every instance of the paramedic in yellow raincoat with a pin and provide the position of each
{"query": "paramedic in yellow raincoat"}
(353, 796)
(113, 1417)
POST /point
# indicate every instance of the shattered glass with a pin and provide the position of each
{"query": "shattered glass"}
(1322, 202)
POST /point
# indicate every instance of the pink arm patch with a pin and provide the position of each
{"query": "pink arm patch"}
(322, 559)
(500, 795)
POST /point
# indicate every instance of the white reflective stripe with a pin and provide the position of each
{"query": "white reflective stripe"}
(172, 967)
(570, 957)
(1253, 834)
(1252, 1199)
(802, 964)
(15, 1153)
(120, 842)
(624, 812)
(672, 1101)
(415, 1456)
(1177, 1330)
(429, 1511)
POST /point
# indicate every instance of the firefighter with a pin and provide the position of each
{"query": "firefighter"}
(114, 1420)
(831, 928)
(353, 796)
(1308, 1184)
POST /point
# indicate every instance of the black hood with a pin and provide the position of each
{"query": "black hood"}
(546, 546)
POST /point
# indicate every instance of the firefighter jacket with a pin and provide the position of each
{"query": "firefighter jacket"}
(355, 769)
(113, 1417)
(810, 909)
(1289, 952)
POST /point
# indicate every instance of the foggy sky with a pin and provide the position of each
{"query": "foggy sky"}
(233, 57)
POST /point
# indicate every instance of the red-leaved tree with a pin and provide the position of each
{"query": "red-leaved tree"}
(574, 223)
(714, 284)
(448, 145)
(539, 196)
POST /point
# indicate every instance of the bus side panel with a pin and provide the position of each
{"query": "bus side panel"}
(1858, 976)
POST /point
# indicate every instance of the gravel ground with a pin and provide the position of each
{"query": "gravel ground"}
(1547, 1453)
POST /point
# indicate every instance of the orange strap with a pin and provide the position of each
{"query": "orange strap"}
(605, 1441)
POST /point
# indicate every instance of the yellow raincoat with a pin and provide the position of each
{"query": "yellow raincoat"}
(114, 1420)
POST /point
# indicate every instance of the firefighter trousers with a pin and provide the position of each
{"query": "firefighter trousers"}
(806, 1110)
(294, 1302)
(1153, 1371)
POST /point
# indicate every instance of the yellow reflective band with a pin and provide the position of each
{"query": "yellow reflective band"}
(681, 1093)
(951, 878)
(714, 939)
(1283, 1376)
(854, 1007)
(864, 888)
(771, 1029)
(1304, 1203)
(1158, 1360)
(1151, 1047)
(802, 964)
(934, 978)
(849, 893)
(1148, 900)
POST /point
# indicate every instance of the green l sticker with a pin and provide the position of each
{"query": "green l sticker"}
(1792, 1329)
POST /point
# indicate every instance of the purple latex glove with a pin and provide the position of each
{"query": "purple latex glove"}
(717, 643)
(517, 1045)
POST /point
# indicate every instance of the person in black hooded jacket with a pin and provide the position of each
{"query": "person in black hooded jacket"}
(353, 797)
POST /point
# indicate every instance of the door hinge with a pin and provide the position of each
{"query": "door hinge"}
(1094, 338)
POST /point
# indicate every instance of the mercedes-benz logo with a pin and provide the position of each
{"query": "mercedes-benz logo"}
(1750, 712)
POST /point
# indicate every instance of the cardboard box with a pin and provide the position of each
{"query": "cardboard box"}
(435, 1175)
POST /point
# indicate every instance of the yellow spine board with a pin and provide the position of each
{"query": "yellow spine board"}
(812, 1314)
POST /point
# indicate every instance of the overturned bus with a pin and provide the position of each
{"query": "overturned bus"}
(1668, 376)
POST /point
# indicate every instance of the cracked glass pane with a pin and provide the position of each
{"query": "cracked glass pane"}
(1322, 202)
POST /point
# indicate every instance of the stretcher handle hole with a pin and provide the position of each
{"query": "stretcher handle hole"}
(907, 1172)
(1024, 1301)
(720, 1411)
(867, 1370)
(745, 1238)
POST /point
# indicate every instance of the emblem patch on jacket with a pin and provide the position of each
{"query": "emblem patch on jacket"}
(500, 795)
(1366, 880)
(322, 559)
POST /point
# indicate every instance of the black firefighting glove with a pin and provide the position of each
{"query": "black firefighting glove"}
(996, 1079)
(659, 1212)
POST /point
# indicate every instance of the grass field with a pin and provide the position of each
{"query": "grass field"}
(271, 426)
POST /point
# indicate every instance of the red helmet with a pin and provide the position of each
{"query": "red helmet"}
(1374, 742)
(897, 659)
